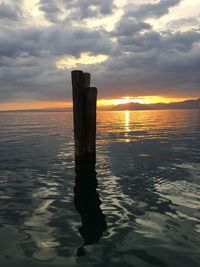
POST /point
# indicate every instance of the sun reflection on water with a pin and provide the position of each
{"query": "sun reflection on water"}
(127, 120)
(127, 127)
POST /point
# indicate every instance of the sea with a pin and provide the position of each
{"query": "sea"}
(148, 171)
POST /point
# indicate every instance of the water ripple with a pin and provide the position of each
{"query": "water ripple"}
(148, 173)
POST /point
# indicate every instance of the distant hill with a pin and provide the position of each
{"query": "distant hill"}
(131, 106)
(188, 104)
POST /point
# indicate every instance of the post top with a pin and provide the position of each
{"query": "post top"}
(73, 71)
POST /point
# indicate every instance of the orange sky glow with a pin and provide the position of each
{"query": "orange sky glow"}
(102, 103)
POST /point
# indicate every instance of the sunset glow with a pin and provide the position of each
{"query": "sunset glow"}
(102, 103)
(136, 51)
(141, 100)
(84, 59)
(34, 105)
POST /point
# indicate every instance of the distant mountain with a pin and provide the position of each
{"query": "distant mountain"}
(131, 106)
(188, 104)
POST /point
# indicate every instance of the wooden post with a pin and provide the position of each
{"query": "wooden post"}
(86, 198)
(91, 100)
(79, 113)
(87, 79)
(84, 112)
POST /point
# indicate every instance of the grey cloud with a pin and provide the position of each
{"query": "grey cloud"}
(10, 11)
(141, 61)
(179, 41)
(152, 74)
(82, 9)
(140, 42)
(76, 9)
(50, 9)
(31, 77)
(176, 24)
(14, 42)
(182, 67)
(28, 56)
(127, 27)
(152, 10)
(56, 41)
(168, 46)
(76, 40)
(158, 63)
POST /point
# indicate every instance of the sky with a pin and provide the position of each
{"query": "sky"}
(142, 50)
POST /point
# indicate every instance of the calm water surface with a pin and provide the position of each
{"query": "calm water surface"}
(148, 166)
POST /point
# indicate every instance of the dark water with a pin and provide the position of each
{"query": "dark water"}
(148, 167)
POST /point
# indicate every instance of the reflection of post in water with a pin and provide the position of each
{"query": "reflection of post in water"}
(87, 203)
(86, 198)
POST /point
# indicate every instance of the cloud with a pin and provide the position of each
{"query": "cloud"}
(56, 10)
(178, 41)
(10, 11)
(54, 41)
(87, 8)
(139, 60)
(128, 27)
(13, 42)
(51, 10)
(74, 40)
(157, 63)
(28, 58)
(184, 23)
(150, 10)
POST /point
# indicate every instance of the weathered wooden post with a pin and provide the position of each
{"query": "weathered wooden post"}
(91, 100)
(86, 198)
(84, 112)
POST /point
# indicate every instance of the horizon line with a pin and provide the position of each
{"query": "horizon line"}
(99, 108)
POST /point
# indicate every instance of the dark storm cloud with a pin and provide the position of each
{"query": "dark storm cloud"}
(76, 9)
(152, 10)
(9, 11)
